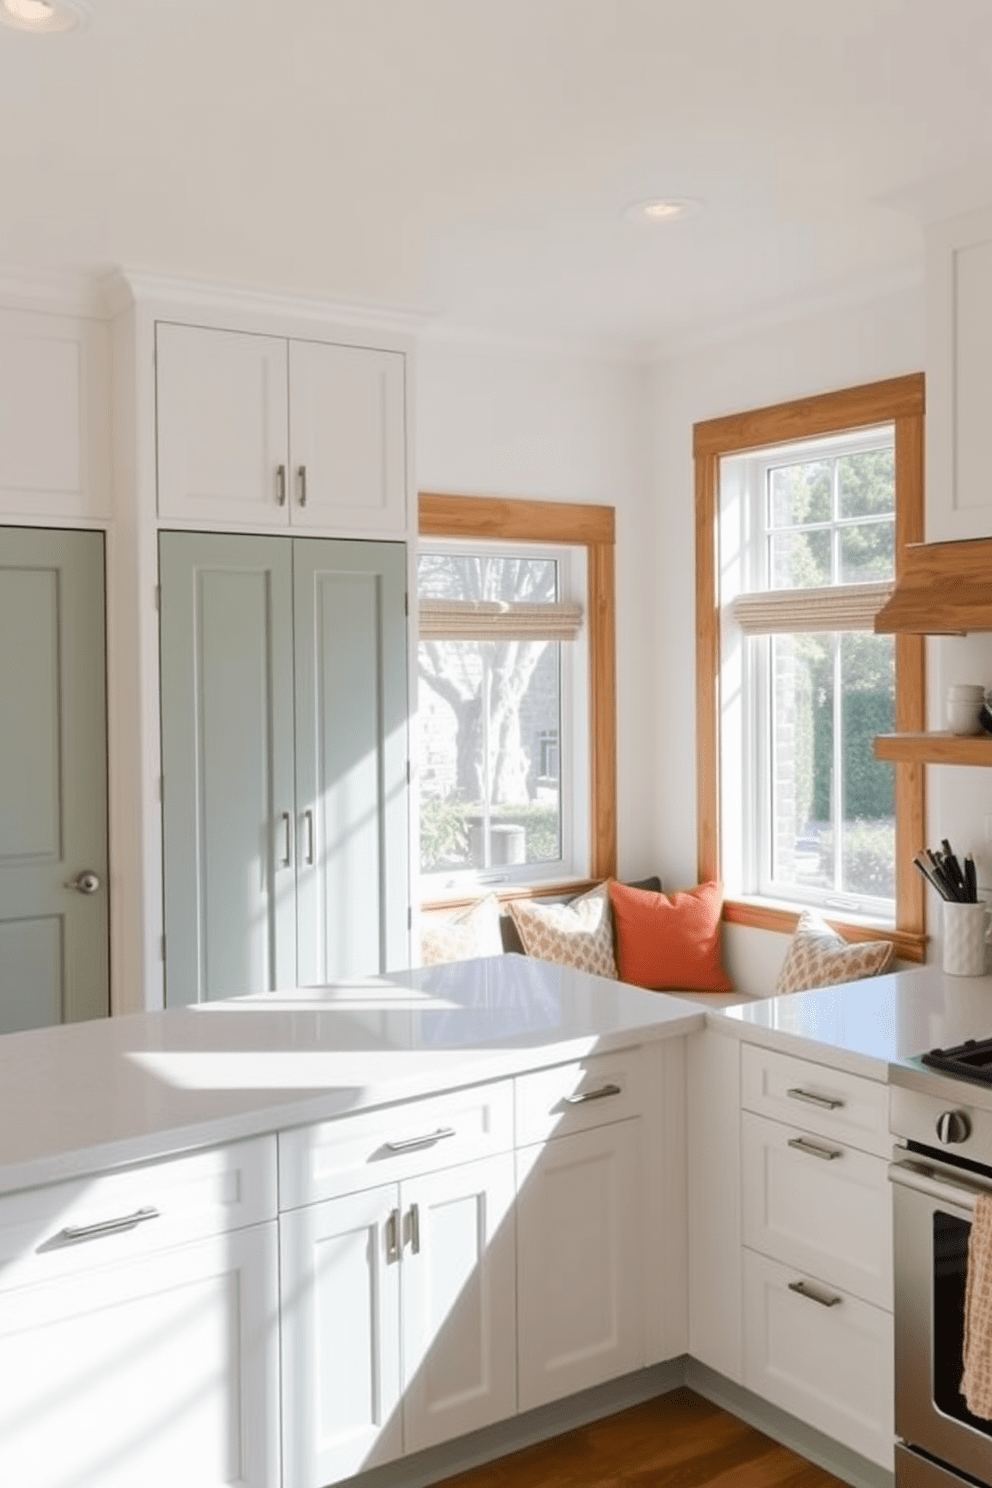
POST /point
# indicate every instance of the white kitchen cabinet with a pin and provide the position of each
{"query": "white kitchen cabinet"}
(580, 1279)
(397, 1319)
(818, 1205)
(265, 431)
(820, 1353)
(959, 378)
(127, 1358)
(54, 419)
(817, 1247)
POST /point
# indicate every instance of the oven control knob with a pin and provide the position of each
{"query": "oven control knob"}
(953, 1126)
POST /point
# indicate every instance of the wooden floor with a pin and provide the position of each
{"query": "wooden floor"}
(678, 1440)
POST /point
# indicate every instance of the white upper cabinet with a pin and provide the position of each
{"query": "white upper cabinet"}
(54, 419)
(959, 378)
(347, 438)
(223, 432)
(262, 431)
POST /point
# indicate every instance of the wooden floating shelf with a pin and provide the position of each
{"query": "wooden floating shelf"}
(935, 749)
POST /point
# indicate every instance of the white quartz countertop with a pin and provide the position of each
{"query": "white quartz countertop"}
(88, 1096)
(877, 1027)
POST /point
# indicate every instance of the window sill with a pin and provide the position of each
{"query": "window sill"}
(465, 898)
(766, 915)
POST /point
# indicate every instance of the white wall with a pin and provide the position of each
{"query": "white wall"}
(556, 427)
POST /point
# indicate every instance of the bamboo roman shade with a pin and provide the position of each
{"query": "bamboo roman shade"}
(834, 607)
(486, 620)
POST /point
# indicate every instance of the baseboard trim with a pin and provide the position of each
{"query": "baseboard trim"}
(421, 1469)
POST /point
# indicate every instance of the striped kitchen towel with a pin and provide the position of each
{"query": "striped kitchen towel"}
(976, 1383)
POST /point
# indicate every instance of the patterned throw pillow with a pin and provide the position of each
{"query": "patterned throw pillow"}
(579, 934)
(819, 957)
(474, 932)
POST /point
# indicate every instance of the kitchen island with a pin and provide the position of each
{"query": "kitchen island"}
(291, 1237)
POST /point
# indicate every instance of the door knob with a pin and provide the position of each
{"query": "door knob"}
(86, 882)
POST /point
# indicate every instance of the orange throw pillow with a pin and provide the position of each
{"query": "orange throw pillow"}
(670, 941)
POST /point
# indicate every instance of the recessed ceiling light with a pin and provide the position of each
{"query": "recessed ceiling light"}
(44, 15)
(663, 209)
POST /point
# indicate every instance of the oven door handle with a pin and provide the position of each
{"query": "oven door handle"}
(937, 1184)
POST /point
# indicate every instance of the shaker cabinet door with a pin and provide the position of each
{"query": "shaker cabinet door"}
(222, 426)
(351, 755)
(227, 763)
(348, 438)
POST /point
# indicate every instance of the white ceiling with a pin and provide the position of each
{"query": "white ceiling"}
(471, 159)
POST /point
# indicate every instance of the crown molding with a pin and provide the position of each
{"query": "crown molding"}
(127, 287)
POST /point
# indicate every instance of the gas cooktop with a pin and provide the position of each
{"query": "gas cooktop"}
(971, 1060)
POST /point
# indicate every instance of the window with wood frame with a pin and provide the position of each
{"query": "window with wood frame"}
(803, 514)
(516, 704)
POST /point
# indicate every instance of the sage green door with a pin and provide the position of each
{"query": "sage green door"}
(54, 928)
(351, 758)
(226, 630)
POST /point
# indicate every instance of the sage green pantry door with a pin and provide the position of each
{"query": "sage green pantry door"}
(284, 748)
(54, 954)
(226, 634)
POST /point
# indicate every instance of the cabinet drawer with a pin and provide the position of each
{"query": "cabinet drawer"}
(829, 1362)
(355, 1152)
(66, 1227)
(574, 1097)
(826, 1101)
(818, 1205)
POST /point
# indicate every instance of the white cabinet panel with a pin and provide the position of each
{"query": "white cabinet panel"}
(579, 1310)
(458, 1287)
(959, 378)
(158, 1371)
(830, 1102)
(54, 420)
(348, 434)
(340, 1279)
(821, 1354)
(820, 1206)
(714, 1184)
(393, 1142)
(574, 1097)
(222, 427)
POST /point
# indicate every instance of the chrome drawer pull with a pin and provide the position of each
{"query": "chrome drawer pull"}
(815, 1100)
(802, 1145)
(805, 1290)
(415, 1228)
(590, 1095)
(411, 1144)
(77, 1234)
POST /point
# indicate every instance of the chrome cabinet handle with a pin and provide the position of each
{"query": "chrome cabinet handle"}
(86, 882)
(414, 1217)
(823, 1101)
(804, 1289)
(78, 1234)
(280, 485)
(308, 818)
(287, 856)
(393, 1236)
(591, 1095)
(827, 1153)
(303, 485)
(411, 1144)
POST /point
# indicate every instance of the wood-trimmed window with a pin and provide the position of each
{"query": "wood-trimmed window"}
(501, 519)
(899, 402)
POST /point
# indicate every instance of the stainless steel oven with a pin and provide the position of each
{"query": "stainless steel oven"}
(943, 1162)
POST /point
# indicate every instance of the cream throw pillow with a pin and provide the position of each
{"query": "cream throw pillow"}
(819, 957)
(461, 937)
(579, 934)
